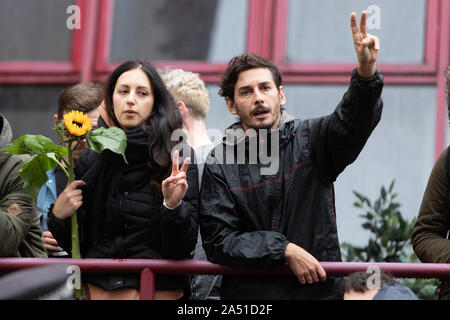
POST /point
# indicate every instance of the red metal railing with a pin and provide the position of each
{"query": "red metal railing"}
(148, 268)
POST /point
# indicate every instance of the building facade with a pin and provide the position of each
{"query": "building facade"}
(48, 45)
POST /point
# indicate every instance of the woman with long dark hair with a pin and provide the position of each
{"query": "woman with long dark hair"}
(146, 209)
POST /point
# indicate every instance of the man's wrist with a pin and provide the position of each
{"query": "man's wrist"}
(367, 71)
(288, 251)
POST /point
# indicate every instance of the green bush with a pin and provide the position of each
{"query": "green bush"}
(390, 238)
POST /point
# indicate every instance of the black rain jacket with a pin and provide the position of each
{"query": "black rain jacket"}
(247, 218)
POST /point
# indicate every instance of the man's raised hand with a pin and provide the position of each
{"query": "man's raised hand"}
(175, 187)
(366, 46)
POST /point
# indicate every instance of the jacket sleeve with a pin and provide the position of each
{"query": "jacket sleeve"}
(179, 226)
(429, 237)
(17, 210)
(224, 237)
(338, 139)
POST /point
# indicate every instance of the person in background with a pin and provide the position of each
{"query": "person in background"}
(430, 234)
(85, 97)
(20, 232)
(192, 99)
(364, 285)
(143, 209)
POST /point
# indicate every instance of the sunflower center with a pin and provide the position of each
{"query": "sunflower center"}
(78, 124)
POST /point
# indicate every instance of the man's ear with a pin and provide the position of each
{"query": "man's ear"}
(231, 106)
(282, 96)
(183, 109)
(55, 120)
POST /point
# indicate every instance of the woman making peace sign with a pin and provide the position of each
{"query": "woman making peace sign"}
(146, 209)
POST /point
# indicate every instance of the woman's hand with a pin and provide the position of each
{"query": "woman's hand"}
(69, 200)
(175, 187)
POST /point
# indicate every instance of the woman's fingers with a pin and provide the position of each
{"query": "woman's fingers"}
(175, 163)
(185, 165)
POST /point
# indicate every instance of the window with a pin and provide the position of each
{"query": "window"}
(185, 30)
(34, 30)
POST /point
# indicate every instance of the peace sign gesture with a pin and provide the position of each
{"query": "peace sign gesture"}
(175, 187)
(366, 46)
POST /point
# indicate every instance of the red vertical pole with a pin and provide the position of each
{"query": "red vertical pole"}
(147, 285)
(279, 34)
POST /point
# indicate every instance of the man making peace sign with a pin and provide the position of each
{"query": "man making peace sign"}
(249, 218)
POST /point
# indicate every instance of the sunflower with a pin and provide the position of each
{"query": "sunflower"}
(77, 123)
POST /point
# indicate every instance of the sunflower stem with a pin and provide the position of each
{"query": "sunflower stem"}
(76, 254)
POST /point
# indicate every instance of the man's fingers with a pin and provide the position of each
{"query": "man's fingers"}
(353, 25)
(376, 42)
(322, 274)
(368, 42)
(362, 23)
(315, 276)
(308, 278)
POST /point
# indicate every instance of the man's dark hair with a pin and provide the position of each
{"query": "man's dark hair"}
(83, 97)
(242, 63)
(357, 281)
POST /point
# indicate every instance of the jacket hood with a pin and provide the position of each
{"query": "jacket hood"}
(235, 133)
(5, 132)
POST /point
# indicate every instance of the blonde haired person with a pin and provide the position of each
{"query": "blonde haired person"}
(192, 99)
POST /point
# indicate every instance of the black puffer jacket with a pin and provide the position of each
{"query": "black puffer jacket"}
(124, 217)
(247, 218)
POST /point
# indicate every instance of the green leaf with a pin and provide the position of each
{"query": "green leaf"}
(36, 144)
(391, 187)
(113, 139)
(34, 172)
(383, 193)
(362, 198)
(60, 129)
(358, 205)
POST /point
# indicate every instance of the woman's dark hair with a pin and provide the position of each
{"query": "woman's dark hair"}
(243, 63)
(164, 119)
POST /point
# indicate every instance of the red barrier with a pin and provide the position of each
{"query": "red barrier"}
(148, 268)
